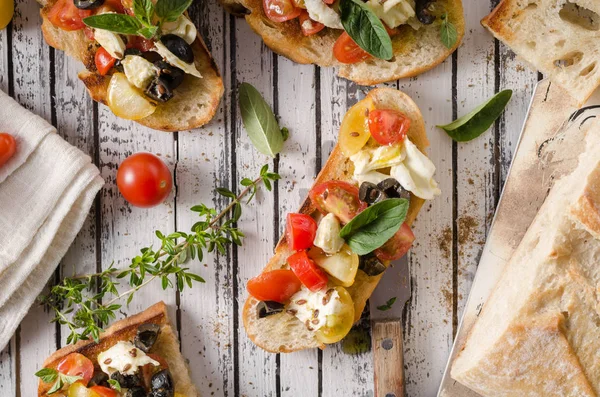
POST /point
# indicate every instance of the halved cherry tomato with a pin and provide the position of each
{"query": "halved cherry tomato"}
(329, 1)
(339, 198)
(280, 10)
(144, 180)
(346, 50)
(140, 43)
(397, 246)
(104, 61)
(76, 364)
(276, 285)
(66, 16)
(8, 147)
(388, 126)
(104, 391)
(301, 230)
(115, 5)
(308, 26)
(312, 276)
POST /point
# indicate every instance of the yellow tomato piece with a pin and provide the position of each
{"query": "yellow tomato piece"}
(77, 389)
(339, 324)
(354, 132)
(342, 265)
(126, 101)
(7, 9)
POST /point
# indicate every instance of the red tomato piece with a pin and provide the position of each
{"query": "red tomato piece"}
(140, 43)
(280, 10)
(388, 126)
(76, 364)
(8, 147)
(89, 33)
(346, 50)
(104, 391)
(329, 1)
(276, 285)
(339, 198)
(144, 180)
(312, 276)
(66, 16)
(308, 26)
(397, 246)
(301, 230)
(104, 61)
(115, 5)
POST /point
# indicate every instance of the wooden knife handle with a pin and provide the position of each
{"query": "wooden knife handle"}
(388, 357)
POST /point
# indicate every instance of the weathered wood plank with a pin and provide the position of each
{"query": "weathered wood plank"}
(4, 57)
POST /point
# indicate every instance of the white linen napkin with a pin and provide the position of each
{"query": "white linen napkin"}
(46, 192)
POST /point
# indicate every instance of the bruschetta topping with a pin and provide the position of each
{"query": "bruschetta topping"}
(125, 358)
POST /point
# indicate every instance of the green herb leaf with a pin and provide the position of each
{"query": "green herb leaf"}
(117, 23)
(388, 304)
(374, 226)
(366, 29)
(170, 10)
(59, 384)
(144, 10)
(285, 133)
(47, 374)
(475, 123)
(114, 384)
(448, 33)
(260, 122)
(148, 32)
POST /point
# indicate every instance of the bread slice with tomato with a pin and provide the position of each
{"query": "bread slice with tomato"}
(287, 27)
(145, 338)
(194, 99)
(270, 312)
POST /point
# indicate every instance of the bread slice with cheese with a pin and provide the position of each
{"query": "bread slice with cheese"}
(282, 332)
(166, 346)
(538, 334)
(195, 101)
(415, 51)
(561, 38)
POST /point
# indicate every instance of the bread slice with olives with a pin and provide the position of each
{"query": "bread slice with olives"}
(151, 333)
(282, 332)
(194, 100)
(416, 48)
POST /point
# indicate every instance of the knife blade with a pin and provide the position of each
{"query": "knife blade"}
(387, 306)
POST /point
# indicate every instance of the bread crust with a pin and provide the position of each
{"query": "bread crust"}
(283, 333)
(195, 101)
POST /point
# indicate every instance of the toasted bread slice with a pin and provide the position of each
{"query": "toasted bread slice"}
(283, 333)
(415, 51)
(558, 37)
(195, 101)
(167, 346)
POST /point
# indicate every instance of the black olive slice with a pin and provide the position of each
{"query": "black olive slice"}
(88, 4)
(178, 47)
(146, 336)
(172, 75)
(127, 381)
(99, 379)
(370, 193)
(159, 90)
(132, 51)
(422, 10)
(393, 189)
(136, 392)
(151, 56)
(371, 265)
(162, 384)
(267, 308)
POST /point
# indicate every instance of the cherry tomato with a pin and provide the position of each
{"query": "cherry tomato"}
(144, 180)
(308, 26)
(276, 285)
(346, 50)
(301, 230)
(339, 198)
(388, 126)
(76, 364)
(312, 276)
(329, 1)
(8, 147)
(66, 16)
(140, 43)
(89, 33)
(115, 5)
(104, 61)
(397, 246)
(280, 10)
(7, 9)
(339, 324)
(104, 391)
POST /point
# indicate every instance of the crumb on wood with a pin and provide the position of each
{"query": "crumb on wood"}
(445, 242)
(466, 229)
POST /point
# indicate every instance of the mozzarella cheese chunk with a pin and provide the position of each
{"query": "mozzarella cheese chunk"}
(125, 358)
(328, 234)
(415, 174)
(321, 12)
(369, 160)
(172, 59)
(312, 308)
(111, 42)
(182, 27)
(138, 70)
(393, 12)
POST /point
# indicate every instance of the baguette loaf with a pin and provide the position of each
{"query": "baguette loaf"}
(538, 332)
(561, 38)
(283, 333)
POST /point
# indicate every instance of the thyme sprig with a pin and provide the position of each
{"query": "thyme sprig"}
(86, 303)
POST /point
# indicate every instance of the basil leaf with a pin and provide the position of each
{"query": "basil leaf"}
(471, 125)
(148, 32)
(259, 121)
(144, 10)
(56, 386)
(366, 29)
(114, 384)
(47, 374)
(170, 10)
(374, 226)
(118, 23)
(448, 33)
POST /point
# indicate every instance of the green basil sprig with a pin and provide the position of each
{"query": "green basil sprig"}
(366, 29)
(49, 375)
(448, 33)
(374, 226)
(475, 123)
(259, 121)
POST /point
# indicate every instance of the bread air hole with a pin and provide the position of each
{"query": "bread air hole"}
(569, 59)
(587, 70)
(580, 16)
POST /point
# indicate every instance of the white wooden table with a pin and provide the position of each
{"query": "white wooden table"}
(311, 102)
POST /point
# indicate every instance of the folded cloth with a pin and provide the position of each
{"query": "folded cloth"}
(46, 192)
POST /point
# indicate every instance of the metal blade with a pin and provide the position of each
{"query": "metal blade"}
(395, 282)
